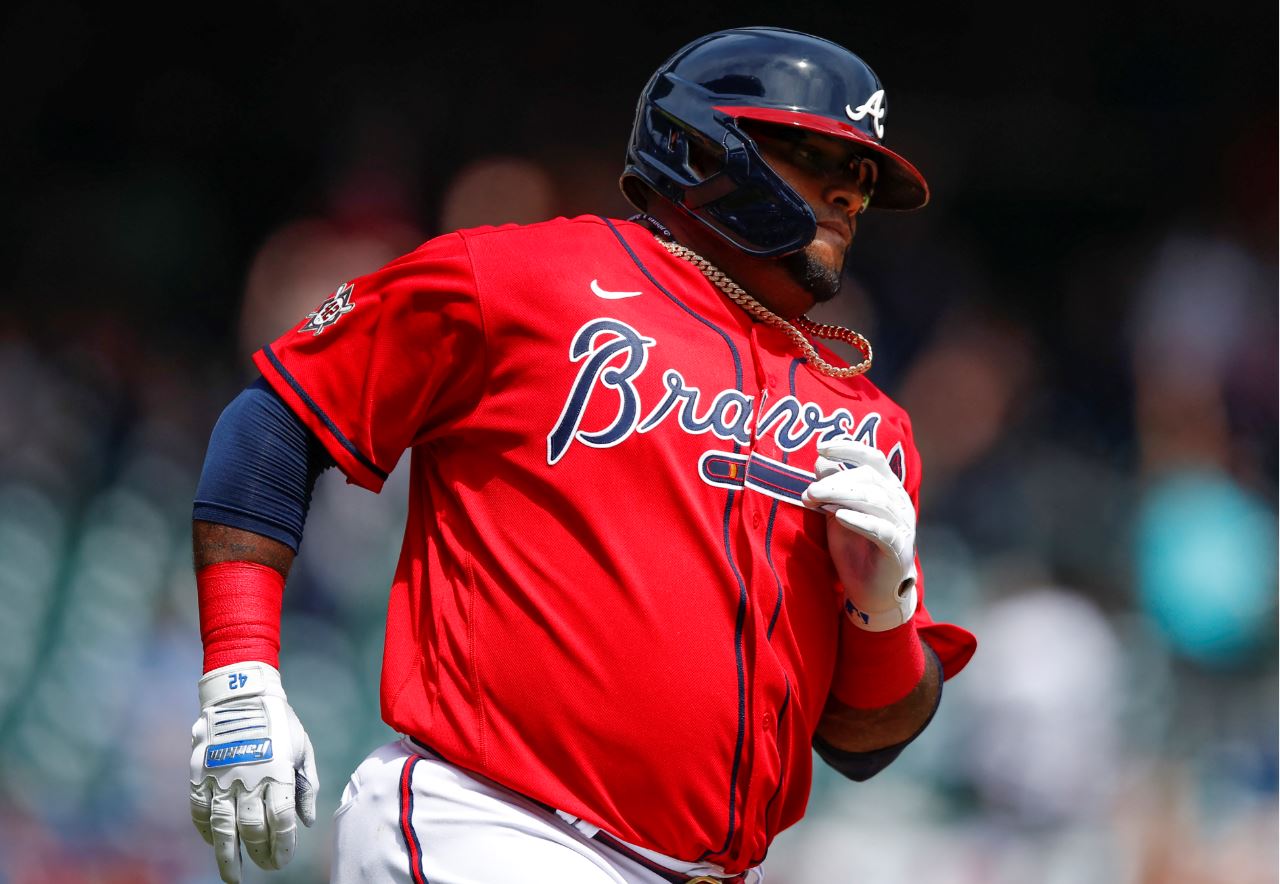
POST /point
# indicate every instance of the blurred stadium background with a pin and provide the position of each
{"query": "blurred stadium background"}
(1083, 325)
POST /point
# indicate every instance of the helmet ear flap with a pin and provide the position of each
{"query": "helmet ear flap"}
(635, 191)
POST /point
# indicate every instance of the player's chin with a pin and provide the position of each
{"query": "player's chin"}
(817, 270)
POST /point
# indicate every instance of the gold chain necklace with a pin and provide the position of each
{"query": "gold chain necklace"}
(739, 296)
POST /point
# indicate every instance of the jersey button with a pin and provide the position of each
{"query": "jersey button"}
(755, 520)
(767, 721)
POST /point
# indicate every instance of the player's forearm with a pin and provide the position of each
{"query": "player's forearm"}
(213, 543)
(240, 582)
(865, 730)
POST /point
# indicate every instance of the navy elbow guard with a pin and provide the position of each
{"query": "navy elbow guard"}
(260, 468)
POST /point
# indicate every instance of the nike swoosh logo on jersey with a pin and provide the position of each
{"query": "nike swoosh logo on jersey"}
(608, 295)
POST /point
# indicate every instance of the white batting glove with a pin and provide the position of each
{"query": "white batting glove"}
(871, 532)
(253, 772)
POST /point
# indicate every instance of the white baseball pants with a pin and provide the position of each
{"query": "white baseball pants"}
(408, 817)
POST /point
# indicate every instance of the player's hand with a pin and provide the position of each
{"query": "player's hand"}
(871, 532)
(253, 772)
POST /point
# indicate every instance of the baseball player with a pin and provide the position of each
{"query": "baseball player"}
(661, 540)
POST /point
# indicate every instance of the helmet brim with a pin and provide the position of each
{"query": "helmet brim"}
(900, 186)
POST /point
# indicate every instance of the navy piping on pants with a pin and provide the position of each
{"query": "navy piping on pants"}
(416, 874)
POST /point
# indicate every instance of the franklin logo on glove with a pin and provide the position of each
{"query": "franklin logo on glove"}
(242, 752)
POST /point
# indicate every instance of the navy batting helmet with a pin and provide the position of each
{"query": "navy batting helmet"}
(701, 95)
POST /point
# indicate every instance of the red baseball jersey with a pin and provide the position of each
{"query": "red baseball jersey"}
(609, 597)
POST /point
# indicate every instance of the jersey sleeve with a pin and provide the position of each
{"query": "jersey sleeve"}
(386, 361)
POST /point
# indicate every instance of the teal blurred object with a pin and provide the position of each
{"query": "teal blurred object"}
(1206, 563)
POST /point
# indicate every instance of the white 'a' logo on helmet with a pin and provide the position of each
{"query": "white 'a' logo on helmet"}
(874, 106)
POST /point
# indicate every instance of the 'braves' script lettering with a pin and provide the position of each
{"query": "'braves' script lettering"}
(613, 355)
(596, 345)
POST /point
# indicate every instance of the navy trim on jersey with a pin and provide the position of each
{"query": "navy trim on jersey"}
(768, 543)
(738, 650)
(328, 422)
(742, 680)
(737, 360)
(777, 581)
(782, 773)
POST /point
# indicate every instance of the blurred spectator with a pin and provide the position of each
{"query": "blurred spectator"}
(498, 190)
(1044, 748)
(1205, 537)
(1206, 566)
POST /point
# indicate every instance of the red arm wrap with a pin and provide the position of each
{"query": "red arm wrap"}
(877, 668)
(239, 613)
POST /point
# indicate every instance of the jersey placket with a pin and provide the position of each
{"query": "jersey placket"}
(763, 773)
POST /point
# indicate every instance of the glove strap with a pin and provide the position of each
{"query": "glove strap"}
(238, 681)
(239, 613)
(906, 598)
